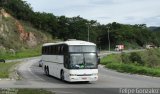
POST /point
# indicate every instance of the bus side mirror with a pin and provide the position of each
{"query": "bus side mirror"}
(99, 60)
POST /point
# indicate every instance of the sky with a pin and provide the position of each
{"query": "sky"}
(104, 11)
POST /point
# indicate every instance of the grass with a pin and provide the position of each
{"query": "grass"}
(22, 54)
(114, 62)
(5, 69)
(110, 58)
(134, 69)
(25, 91)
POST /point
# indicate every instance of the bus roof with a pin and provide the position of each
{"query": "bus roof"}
(74, 42)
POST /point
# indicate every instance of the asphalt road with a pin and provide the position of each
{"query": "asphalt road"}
(34, 77)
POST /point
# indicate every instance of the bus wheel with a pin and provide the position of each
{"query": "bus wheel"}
(47, 71)
(62, 75)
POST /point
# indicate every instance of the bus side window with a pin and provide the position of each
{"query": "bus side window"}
(62, 50)
(49, 50)
(52, 50)
(66, 61)
(46, 50)
(59, 50)
(56, 49)
(65, 49)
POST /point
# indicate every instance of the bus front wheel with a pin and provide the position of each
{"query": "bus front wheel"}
(62, 75)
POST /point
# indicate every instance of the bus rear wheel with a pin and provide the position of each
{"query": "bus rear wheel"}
(46, 70)
(62, 75)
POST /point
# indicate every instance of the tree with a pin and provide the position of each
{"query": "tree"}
(77, 27)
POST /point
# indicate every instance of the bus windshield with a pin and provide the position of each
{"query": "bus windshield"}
(82, 48)
(83, 61)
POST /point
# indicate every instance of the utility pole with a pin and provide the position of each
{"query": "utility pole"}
(108, 39)
(88, 32)
(89, 25)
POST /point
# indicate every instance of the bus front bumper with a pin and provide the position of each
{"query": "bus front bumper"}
(82, 78)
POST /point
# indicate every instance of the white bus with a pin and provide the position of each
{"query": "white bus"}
(71, 61)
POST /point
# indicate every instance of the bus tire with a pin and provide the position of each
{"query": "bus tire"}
(47, 71)
(62, 75)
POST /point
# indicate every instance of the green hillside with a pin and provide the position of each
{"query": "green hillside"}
(63, 28)
(17, 36)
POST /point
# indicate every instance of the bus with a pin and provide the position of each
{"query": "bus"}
(71, 61)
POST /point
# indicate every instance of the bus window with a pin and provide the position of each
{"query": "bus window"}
(77, 48)
(59, 50)
(65, 49)
(90, 60)
(62, 49)
(83, 61)
(66, 61)
(52, 50)
(76, 61)
(56, 49)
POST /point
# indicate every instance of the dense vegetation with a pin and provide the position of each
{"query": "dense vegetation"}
(145, 62)
(63, 28)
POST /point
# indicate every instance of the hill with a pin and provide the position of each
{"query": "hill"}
(16, 34)
(30, 29)
(154, 29)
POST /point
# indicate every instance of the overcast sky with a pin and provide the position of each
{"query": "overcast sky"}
(104, 11)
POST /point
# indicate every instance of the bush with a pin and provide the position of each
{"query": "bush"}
(136, 58)
(132, 68)
(110, 59)
(2, 50)
(125, 58)
(152, 58)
